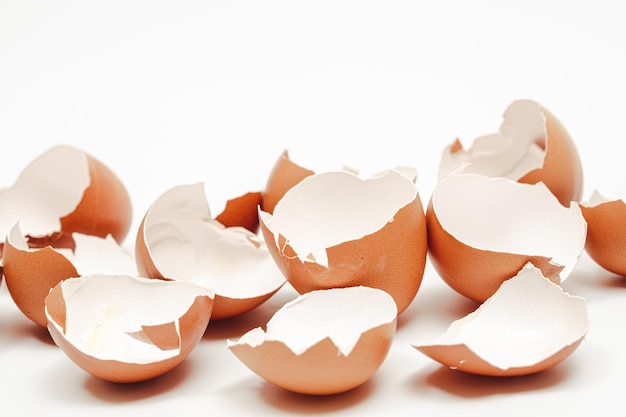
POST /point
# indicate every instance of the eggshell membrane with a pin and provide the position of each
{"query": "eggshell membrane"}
(532, 146)
(323, 342)
(127, 329)
(529, 325)
(606, 235)
(178, 240)
(66, 190)
(30, 273)
(335, 229)
(482, 230)
(284, 175)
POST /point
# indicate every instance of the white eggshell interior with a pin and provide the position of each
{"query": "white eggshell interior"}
(340, 314)
(596, 199)
(510, 153)
(186, 243)
(105, 314)
(92, 254)
(526, 321)
(330, 208)
(49, 188)
(502, 215)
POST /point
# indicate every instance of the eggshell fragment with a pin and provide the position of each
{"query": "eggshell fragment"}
(532, 146)
(66, 190)
(528, 325)
(178, 239)
(127, 329)
(323, 342)
(242, 211)
(482, 230)
(30, 273)
(606, 235)
(335, 229)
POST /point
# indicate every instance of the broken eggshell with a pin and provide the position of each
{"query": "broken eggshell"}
(179, 240)
(482, 230)
(531, 146)
(30, 273)
(123, 328)
(528, 325)
(606, 232)
(323, 342)
(65, 191)
(336, 229)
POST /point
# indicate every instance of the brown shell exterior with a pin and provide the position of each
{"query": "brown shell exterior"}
(223, 308)
(460, 357)
(562, 169)
(476, 273)
(606, 235)
(105, 207)
(29, 276)
(193, 324)
(391, 259)
(285, 174)
(242, 211)
(320, 370)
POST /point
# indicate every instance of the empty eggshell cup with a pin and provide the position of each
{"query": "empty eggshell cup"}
(323, 342)
(335, 229)
(178, 239)
(527, 326)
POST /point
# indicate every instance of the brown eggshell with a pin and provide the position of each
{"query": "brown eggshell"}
(532, 146)
(84, 197)
(148, 327)
(528, 325)
(483, 230)
(30, 273)
(178, 240)
(343, 336)
(606, 235)
(370, 232)
(285, 174)
(242, 212)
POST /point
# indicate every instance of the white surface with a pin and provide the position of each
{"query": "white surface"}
(168, 93)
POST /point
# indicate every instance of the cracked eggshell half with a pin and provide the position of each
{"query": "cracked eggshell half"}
(531, 146)
(65, 191)
(179, 240)
(482, 230)
(323, 342)
(528, 325)
(123, 328)
(606, 232)
(335, 229)
(30, 273)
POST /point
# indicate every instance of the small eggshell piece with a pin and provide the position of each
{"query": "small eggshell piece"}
(530, 324)
(323, 342)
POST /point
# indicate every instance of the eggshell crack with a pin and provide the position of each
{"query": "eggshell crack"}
(482, 230)
(531, 146)
(178, 239)
(124, 328)
(528, 325)
(335, 229)
(322, 342)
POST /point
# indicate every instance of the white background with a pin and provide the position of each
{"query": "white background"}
(168, 93)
